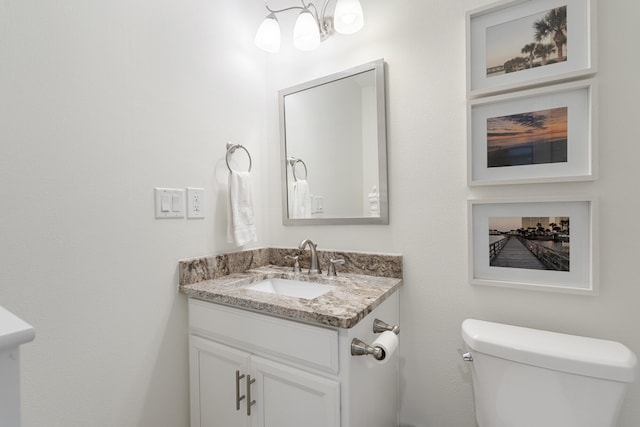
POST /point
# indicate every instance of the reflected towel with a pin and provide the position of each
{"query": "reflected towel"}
(301, 200)
(241, 227)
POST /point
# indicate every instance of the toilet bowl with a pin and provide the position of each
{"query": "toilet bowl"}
(531, 378)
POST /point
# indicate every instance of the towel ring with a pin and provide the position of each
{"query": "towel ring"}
(293, 161)
(231, 148)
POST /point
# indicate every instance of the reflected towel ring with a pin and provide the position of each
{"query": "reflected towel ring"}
(231, 148)
(293, 161)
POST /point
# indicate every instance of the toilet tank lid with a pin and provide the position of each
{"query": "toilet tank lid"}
(562, 352)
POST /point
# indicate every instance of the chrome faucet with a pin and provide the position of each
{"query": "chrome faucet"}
(314, 267)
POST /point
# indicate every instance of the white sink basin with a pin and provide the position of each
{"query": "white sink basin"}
(291, 288)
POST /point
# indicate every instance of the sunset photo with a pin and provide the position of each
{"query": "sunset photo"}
(528, 42)
(535, 137)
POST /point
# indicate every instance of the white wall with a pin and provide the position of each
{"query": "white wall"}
(423, 44)
(100, 102)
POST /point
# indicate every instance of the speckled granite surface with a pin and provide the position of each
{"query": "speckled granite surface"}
(363, 283)
(355, 295)
(355, 262)
(211, 267)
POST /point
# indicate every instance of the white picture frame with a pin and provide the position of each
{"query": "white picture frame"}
(570, 269)
(540, 135)
(498, 35)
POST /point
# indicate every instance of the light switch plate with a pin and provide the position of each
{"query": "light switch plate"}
(169, 202)
(195, 202)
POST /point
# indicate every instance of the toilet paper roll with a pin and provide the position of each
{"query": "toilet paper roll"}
(388, 342)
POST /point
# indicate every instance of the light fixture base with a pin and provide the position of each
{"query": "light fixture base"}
(326, 29)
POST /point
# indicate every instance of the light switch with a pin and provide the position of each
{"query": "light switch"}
(175, 203)
(165, 204)
(169, 203)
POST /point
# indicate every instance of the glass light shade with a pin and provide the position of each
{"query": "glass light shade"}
(306, 33)
(268, 35)
(348, 17)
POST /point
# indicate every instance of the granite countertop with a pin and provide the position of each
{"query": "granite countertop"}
(355, 297)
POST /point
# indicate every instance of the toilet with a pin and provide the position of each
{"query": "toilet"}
(531, 378)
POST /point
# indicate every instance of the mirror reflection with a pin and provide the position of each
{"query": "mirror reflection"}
(334, 149)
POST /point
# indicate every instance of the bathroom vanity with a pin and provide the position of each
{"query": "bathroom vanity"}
(262, 359)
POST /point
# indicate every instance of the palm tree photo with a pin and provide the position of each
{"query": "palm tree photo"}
(527, 42)
(529, 50)
(553, 26)
(544, 51)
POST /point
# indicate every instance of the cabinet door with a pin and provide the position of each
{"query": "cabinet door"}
(289, 397)
(213, 369)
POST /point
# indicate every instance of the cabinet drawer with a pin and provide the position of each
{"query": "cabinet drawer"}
(313, 346)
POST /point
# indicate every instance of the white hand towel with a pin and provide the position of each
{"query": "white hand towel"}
(301, 200)
(241, 227)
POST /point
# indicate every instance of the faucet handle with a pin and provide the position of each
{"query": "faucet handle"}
(332, 266)
(296, 265)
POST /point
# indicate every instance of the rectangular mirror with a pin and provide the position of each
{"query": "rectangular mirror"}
(334, 149)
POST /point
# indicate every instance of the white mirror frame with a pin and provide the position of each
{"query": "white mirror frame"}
(381, 115)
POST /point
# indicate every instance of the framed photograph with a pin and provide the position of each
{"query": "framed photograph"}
(540, 244)
(540, 135)
(514, 44)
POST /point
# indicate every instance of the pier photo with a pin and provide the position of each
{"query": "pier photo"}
(535, 243)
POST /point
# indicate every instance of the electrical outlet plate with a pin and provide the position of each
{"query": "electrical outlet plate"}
(169, 202)
(195, 202)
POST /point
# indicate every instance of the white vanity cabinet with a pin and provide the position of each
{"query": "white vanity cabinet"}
(212, 370)
(226, 380)
(253, 370)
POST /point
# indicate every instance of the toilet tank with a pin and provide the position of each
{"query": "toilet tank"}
(526, 377)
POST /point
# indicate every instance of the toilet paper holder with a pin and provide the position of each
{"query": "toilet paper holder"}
(360, 348)
(379, 326)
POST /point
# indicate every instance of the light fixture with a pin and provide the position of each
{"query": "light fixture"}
(348, 17)
(306, 32)
(268, 34)
(311, 27)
